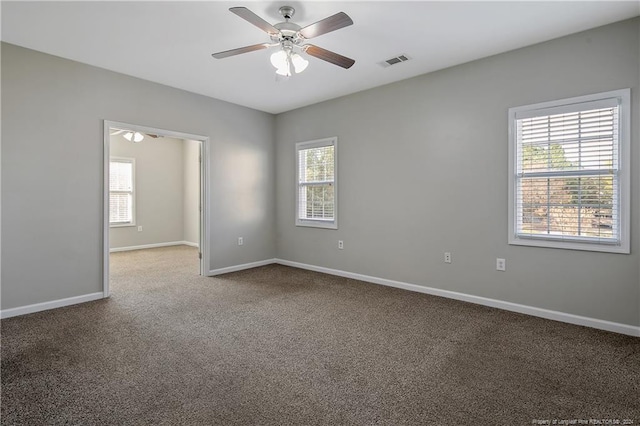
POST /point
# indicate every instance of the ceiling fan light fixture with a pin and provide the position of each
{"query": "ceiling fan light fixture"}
(284, 61)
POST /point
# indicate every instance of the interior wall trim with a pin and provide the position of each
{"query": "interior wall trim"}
(494, 303)
(242, 267)
(155, 245)
(53, 304)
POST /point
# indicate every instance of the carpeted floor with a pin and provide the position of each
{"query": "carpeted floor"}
(277, 345)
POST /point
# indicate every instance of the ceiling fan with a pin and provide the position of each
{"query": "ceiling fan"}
(290, 36)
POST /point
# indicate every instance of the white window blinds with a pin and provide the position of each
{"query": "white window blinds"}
(121, 191)
(316, 182)
(567, 173)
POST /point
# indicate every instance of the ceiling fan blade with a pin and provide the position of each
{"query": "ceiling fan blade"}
(329, 56)
(117, 132)
(332, 23)
(254, 19)
(240, 50)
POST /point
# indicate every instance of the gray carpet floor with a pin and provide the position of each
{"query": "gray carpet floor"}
(278, 345)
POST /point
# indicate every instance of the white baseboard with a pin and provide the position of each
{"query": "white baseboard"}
(244, 266)
(507, 306)
(156, 245)
(44, 306)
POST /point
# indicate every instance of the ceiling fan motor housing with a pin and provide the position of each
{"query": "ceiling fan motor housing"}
(288, 31)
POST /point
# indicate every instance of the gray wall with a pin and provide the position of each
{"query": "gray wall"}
(52, 153)
(159, 192)
(191, 180)
(423, 170)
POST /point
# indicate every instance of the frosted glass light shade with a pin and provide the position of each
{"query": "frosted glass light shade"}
(279, 59)
(299, 63)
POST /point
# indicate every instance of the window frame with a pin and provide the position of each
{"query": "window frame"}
(623, 98)
(317, 223)
(131, 161)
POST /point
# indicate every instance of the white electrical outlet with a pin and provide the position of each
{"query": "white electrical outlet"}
(447, 257)
(501, 264)
(139, 228)
(240, 241)
(340, 244)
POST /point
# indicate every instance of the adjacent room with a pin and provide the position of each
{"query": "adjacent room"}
(320, 212)
(154, 197)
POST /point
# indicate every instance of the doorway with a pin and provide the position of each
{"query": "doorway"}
(124, 195)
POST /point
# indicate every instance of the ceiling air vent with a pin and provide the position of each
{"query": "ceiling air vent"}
(395, 60)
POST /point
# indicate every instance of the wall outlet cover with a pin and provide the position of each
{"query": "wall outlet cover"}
(501, 264)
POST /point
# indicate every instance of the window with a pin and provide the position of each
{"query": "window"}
(316, 195)
(569, 168)
(121, 196)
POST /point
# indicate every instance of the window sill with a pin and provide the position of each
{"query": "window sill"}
(122, 225)
(569, 245)
(317, 224)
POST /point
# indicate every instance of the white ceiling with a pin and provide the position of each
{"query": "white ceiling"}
(171, 42)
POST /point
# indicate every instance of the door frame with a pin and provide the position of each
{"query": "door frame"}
(204, 243)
